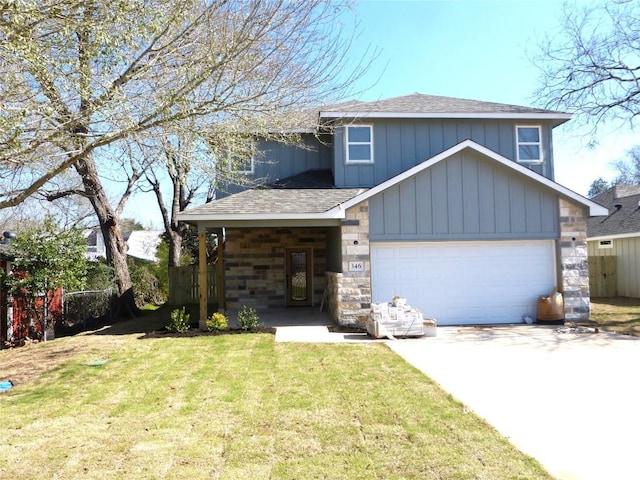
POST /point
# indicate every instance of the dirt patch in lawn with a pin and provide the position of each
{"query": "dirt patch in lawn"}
(618, 314)
(29, 362)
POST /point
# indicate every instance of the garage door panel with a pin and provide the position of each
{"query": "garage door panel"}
(466, 282)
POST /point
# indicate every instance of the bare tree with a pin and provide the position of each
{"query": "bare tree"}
(592, 66)
(83, 79)
(628, 168)
(177, 178)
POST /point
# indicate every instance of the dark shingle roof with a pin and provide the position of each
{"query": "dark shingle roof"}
(624, 212)
(308, 179)
(270, 202)
(307, 193)
(418, 103)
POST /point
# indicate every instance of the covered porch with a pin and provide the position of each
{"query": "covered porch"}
(280, 271)
(296, 243)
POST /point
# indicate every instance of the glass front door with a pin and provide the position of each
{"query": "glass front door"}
(299, 276)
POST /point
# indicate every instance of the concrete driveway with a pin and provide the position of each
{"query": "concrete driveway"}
(572, 401)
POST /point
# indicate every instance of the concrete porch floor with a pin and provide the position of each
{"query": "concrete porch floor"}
(303, 324)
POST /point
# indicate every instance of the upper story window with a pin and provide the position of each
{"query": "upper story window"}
(529, 144)
(245, 166)
(359, 139)
(243, 162)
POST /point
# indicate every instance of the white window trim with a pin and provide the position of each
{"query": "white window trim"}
(605, 244)
(539, 143)
(347, 143)
(251, 171)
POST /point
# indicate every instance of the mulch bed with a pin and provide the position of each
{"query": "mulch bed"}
(196, 332)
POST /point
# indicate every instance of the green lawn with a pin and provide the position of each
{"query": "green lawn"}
(618, 314)
(236, 407)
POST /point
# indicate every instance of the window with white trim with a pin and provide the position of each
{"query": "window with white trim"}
(243, 163)
(529, 144)
(245, 166)
(605, 244)
(359, 144)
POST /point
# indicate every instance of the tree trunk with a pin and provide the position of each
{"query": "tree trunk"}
(175, 247)
(115, 244)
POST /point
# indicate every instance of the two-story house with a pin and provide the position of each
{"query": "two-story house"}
(450, 203)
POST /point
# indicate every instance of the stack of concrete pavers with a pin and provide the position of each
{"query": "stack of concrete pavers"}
(396, 319)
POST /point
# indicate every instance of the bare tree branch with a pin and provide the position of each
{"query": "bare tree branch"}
(591, 68)
(85, 81)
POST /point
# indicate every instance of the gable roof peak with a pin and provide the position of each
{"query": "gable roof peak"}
(419, 105)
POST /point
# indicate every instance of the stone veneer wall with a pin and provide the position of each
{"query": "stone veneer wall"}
(254, 261)
(349, 293)
(574, 267)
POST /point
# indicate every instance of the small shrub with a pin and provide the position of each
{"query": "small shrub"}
(179, 321)
(248, 318)
(216, 322)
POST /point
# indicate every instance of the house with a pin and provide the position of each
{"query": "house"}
(613, 243)
(6, 319)
(450, 203)
(16, 323)
(141, 244)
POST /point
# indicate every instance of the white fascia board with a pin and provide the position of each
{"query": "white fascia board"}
(336, 213)
(594, 208)
(497, 116)
(614, 237)
(326, 222)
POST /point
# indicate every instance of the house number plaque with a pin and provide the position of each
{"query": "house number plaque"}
(356, 266)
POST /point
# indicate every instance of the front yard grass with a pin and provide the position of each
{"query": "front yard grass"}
(237, 407)
(619, 314)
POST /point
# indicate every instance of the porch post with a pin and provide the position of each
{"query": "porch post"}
(202, 276)
(220, 271)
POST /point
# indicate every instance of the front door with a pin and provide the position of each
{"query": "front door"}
(299, 268)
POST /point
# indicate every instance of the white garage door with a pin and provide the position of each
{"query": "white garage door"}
(465, 282)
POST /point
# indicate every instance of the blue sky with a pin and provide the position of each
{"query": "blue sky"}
(476, 49)
(469, 49)
(480, 49)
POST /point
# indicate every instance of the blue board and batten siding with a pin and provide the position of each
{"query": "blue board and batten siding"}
(276, 160)
(465, 197)
(401, 144)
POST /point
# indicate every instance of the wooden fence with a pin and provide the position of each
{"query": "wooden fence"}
(183, 285)
(603, 276)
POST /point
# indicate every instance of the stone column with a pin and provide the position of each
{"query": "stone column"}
(353, 285)
(574, 267)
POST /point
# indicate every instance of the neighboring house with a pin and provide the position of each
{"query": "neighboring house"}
(614, 243)
(141, 244)
(15, 321)
(6, 318)
(447, 202)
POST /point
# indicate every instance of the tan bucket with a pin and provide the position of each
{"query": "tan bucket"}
(551, 308)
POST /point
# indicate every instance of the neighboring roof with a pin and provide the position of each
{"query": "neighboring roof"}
(623, 216)
(143, 244)
(140, 243)
(264, 204)
(418, 105)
